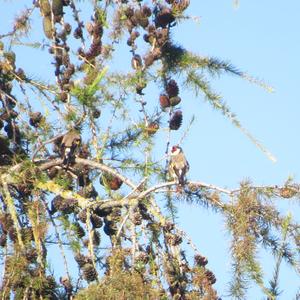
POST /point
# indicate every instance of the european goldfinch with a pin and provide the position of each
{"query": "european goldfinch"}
(178, 166)
(69, 145)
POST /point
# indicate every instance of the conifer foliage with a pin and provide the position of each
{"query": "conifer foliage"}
(79, 171)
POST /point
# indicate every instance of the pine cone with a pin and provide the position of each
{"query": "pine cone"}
(146, 11)
(79, 230)
(3, 240)
(172, 88)
(66, 206)
(102, 212)
(176, 120)
(164, 17)
(96, 221)
(110, 228)
(89, 272)
(200, 260)
(82, 216)
(82, 259)
(175, 100)
(210, 276)
(96, 238)
(110, 181)
(96, 113)
(35, 119)
(164, 101)
(149, 59)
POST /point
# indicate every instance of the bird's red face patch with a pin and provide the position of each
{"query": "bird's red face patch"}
(174, 148)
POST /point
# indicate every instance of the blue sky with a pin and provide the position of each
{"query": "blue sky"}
(261, 38)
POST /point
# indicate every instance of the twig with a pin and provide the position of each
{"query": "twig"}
(45, 143)
(105, 168)
(59, 241)
(121, 227)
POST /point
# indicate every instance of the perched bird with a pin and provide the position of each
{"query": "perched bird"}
(69, 145)
(178, 166)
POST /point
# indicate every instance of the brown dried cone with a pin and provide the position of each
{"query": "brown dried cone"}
(82, 259)
(89, 272)
(3, 240)
(35, 119)
(96, 113)
(96, 221)
(175, 100)
(102, 212)
(66, 206)
(82, 216)
(12, 233)
(88, 191)
(164, 17)
(140, 18)
(149, 59)
(200, 260)
(152, 128)
(146, 11)
(110, 228)
(66, 284)
(96, 238)
(110, 181)
(210, 276)
(162, 36)
(164, 101)
(173, 239)
(172, 88)
(6, 222)
(79, 230)
(176, 120)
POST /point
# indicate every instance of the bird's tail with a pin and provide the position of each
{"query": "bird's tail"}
(67, 155)
(181, 179)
